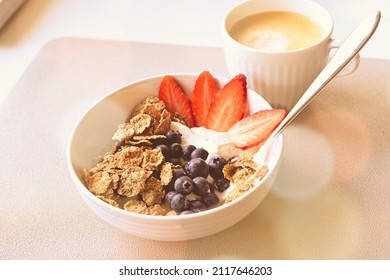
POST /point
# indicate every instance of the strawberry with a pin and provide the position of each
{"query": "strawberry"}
(256, 128)
(228, 106)
(202, 96)
(176, 101)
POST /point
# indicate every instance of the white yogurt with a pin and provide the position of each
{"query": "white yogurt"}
(212, 141)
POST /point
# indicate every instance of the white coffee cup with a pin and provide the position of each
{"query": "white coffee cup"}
(280, 76)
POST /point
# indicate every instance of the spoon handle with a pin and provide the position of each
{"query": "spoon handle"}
(348, 50)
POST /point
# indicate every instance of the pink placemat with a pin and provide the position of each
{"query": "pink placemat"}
(330, 200)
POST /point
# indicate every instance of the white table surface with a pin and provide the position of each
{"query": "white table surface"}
(183, 22)
(330, 199)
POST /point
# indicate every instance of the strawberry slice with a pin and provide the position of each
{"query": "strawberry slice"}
(202, 96)
(228, 106)
(176, 101)
(256, 128)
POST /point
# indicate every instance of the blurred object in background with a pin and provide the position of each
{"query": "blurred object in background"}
(7, 9)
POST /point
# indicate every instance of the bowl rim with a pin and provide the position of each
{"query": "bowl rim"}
(88, 194)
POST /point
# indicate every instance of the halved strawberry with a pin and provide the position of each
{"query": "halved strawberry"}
(176, 101)
(202, 96)
(256, 128)
(229, 105)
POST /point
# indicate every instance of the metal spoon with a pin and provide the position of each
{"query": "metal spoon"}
(348, 50)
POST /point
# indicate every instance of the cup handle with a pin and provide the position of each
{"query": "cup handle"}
(352, 66)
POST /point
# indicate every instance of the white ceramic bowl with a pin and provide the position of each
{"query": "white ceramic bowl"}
(92, 137)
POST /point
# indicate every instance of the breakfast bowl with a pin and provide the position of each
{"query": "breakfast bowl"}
(92, 137)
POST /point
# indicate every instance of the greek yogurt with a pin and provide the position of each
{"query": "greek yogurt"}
(213, 141)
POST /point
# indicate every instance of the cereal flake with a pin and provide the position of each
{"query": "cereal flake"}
(140, 143)
(152, 159)
(133, 181)
(124, 132)
(99, 183)
(153, 192)
(122, 159)
(164, 123)
(136, 206)
(151, 100)
(171, 213)
(148, 137)
(166, 173)
(243, 173)
(108, 200)
(140, 122)
(157, 210)
(176, 117)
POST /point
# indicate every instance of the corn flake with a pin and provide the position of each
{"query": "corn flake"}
(164, 123)
(151, 100)
(108, 200)
(140, 143)
(157, 210)
(148, 137)
(99, 183)
(171, 213)
(243, 173)
(153, 192)
(125, 132)
(166, 173)
(133, 181)
(122, 159)
(176, 117)
(140, 122)
(136, 206)
(152, 159)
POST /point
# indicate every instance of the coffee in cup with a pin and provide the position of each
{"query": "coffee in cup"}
(280, 62)
(277, 31)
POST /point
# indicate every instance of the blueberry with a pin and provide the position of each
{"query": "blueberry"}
(216, 164)
(210, 199)
(173, 136)
(178, 202)
(184, 185)
(221, 184)
(169, 196)
(197, 167)
(169, 188)
(164, 150)
(187, 150)
(186, 212)
(177, 172)
(176, 150)
(201, 186)
(197, 206)
(199, 153)
(186, 204)
(175, 161)
(157, 142)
